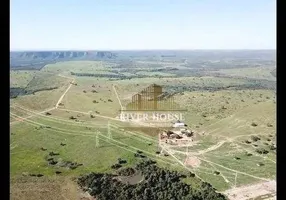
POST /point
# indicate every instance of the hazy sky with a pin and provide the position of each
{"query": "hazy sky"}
(142, 24)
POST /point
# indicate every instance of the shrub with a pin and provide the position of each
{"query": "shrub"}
(121, 161)
(216, 173)
(116, 166)
(253, 124)
(262, 151)
(272, 147)
(269, 125)
(255, 138)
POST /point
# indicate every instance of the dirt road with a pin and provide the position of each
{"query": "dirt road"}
(266, 189)
(61, 98)
(117, 97)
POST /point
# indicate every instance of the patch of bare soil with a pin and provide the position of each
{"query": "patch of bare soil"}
(192, 161)
(132, 180)
(256, 191)
(56, 188)
(212, 148)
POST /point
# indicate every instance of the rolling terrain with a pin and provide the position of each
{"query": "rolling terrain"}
(70, 107)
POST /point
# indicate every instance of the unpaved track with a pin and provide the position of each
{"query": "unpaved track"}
(200, 152)
(39, 113)
(139, 137)
(212, 148)
(180, 162)
(70, 132)
(239, 193)
(59, 101)
(239, 172)
(66, 77)
(117, 97)
(61, 98)
(221, 174)
(251, 191)
(102, 137)
(88, 113)
(56, 119)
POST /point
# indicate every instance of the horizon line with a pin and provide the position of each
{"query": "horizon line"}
(198, 49)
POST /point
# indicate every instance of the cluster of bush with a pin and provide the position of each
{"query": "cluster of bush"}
(129, 171)
(158, 183)
(118, 164)
(14, 91)
(61, 163)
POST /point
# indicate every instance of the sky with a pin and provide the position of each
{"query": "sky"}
(142, 24)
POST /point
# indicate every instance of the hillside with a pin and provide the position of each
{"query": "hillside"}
(38, 59)
(60, 54)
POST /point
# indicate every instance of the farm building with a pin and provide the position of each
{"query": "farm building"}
(179, 124)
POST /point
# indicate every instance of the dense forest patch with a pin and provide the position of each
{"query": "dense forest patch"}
(158, 183)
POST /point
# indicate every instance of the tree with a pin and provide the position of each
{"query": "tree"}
(255, 138)
(262, 151)
(253, 124)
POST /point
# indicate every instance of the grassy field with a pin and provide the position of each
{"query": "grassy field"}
(222, 120)
(56, 187)
(240, 123)
(40, 100)
(28, 138)
(251, 72)
(205, 108)
(232, 132)
(154, 73)
(78, 66)
(45, 80)
(21, 78)
(92, 95)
